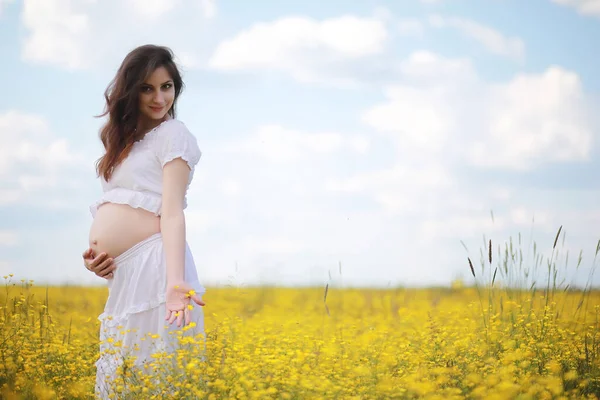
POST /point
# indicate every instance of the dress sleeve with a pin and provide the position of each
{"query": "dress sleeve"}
(176, 141)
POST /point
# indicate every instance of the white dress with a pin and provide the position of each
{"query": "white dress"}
(135, 307)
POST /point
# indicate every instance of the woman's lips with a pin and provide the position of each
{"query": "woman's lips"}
(156, 109)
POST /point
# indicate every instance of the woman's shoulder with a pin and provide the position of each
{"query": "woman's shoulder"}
(173, 139)
(172, 125)
(170, 131)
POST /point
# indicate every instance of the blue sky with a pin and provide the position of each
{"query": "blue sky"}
(373, 134)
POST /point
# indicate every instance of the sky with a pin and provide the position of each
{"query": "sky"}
(366, 143)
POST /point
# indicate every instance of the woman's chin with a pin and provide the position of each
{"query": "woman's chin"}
(155, 116)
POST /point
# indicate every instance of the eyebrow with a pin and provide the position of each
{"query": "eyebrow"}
(164, 83)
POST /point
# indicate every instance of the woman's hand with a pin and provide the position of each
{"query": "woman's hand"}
(101, 265)
(178, 299)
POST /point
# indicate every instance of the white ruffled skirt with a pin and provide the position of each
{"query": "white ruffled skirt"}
(135, 310)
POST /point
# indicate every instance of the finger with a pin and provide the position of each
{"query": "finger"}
(109, 276)
(187, 316)
(105, 271)
(98, 259)
(108, 271)
(180, 317)
(112, 269)
(170, 316)
(104, 265)
(86, 253)
(198, 301)
(173, 317)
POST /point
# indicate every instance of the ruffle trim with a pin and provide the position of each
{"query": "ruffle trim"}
(130, 197)
(111, 320)
(190, 157)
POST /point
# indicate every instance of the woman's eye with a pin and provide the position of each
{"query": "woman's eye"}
(145, 89)
(168, 86)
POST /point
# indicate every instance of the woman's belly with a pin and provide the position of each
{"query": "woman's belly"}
(117, 227)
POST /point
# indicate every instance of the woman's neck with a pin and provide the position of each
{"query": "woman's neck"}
(145, 125)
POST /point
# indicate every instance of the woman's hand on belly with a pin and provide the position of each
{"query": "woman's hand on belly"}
(100, 264)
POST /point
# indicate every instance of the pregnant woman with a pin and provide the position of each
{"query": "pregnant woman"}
(137, 238)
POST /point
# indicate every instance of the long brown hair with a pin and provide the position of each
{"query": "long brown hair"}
(119, 134)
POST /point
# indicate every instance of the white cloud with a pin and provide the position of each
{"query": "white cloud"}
(32, 158)
(3, 3)
(231, 187)
(200, 221)
(429, 69)
(209, 8)
(382, 14)
(278, 144)
(152, 9)
(301, 46)
(8, 238)
(460, 225)
(9, 196)
(536, 119)
(410, 27)
(359, 144)
(533, 119)
(59, 32)
(27, 140)
(585, 7)
(399, 189)
(491, 39)
(89, 34)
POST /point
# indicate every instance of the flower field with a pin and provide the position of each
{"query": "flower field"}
(478, 342)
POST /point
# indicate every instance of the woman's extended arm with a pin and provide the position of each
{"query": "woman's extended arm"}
(172, 221)
(178, 153)
(172, 226)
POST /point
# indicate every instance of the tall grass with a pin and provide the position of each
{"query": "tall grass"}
(546, 314)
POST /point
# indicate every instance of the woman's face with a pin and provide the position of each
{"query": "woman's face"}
(157, 94)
